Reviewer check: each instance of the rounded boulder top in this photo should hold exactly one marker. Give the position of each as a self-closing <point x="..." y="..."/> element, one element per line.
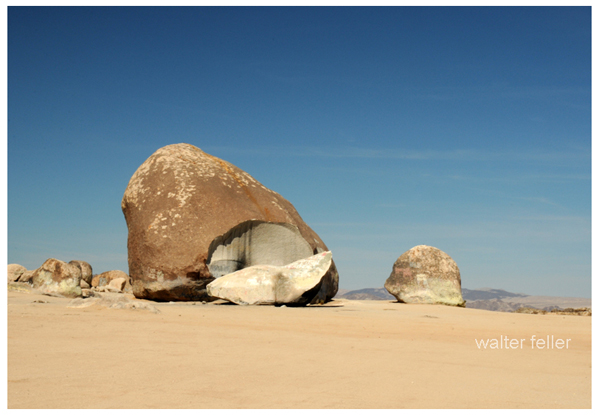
<point x="179" y="201"/>
<point x="425" y="274"/>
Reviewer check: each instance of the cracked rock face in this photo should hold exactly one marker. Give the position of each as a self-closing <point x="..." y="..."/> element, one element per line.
<point x="425" y="274"/>
<point x="297" y="283"/>
<point x="193" y="217"/>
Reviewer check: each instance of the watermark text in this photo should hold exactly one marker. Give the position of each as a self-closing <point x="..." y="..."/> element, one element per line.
<point x="539" y="343"/>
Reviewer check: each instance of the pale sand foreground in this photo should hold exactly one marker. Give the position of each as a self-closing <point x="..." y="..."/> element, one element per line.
<point x="346" y="354"/>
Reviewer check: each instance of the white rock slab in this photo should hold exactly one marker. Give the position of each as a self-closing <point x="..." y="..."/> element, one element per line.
<point x="295" y="283"/>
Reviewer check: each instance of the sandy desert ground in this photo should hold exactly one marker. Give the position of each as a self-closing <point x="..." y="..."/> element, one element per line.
<point x="345" y="354"/>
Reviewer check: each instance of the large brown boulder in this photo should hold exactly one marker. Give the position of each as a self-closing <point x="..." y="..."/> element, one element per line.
<point x="56" y="277"/>
<point x="425" y="274"/>
<point x="193" y="217"/>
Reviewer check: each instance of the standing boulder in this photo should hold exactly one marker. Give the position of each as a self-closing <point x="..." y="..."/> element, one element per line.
<point x="86" y="270"/>
<point x="425" y="274"/>
<point x="193" y="217"/>
<point x="14" y="272"/>
<point x="57" y="277"/>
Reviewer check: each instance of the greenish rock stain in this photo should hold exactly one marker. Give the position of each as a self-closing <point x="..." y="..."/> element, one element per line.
<point x="68" y="287"/>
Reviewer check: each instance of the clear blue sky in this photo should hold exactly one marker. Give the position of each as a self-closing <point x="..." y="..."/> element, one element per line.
<point x="468" y="129"/>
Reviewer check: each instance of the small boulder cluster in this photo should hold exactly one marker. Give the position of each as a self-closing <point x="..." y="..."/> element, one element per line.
<point x="200" y="228"/>
<point x="73" y="279"/>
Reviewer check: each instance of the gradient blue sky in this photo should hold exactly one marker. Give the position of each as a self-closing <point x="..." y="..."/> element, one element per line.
<point x="468" y="129"/>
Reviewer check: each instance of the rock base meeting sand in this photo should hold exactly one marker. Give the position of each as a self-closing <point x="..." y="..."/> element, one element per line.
<point x="344" y="354"/>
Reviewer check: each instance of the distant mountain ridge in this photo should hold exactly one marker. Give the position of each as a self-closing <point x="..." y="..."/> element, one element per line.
<point x="367" y="294"/>
<point x="492" y="299"/>
<point x="488" y="294"/>
<point x="383" y="294"/>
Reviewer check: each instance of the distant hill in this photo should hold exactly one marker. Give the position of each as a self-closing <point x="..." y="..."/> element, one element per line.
<point x="494" y="304"/>
<point x="492" y="299"/>
<point x="501" y="300"/>
<point x="378" y="294"/>
<point x="383" y="294"/>
<point x="488" y="294"/>
<point x="340" y="292"/>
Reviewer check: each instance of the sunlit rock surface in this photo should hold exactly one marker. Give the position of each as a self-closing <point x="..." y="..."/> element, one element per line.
<point x="14" y="272"/>
<point x="105" y="279"/>
<point x="27" y="276"/>
<point x="86" y="270"/>
<point x="56" y="277"/>
<point x="295" y="284"/>
<point x="425" y="274"/>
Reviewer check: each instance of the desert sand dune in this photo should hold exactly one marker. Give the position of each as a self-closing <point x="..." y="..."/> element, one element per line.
<point x="345" y="354"/>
